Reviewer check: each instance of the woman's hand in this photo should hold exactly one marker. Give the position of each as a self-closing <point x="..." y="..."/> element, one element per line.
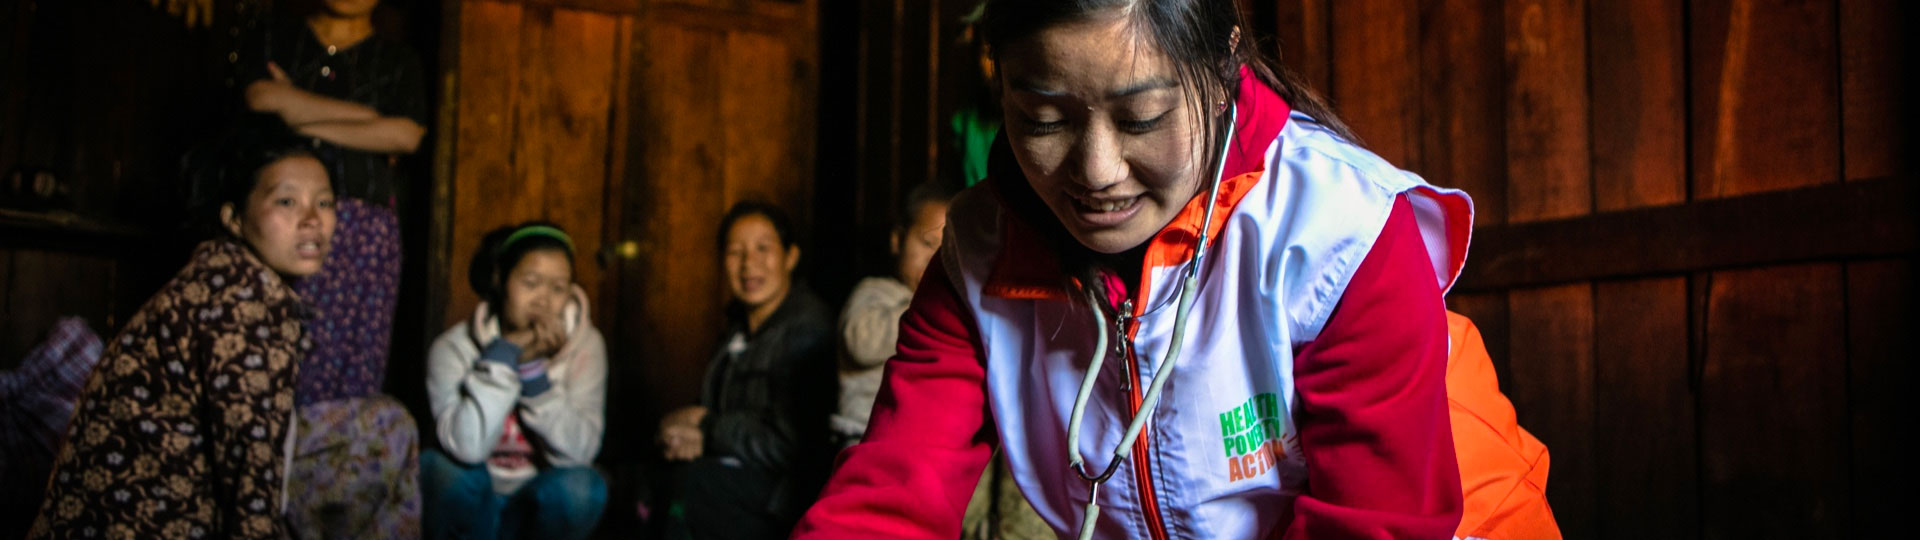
<point x="540" y="339"/>
<point x="270" y="95"/>
<point x="680" y="437"/>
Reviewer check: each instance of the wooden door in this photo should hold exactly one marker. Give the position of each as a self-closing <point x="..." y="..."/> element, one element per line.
<point x="723" y="111"/>
<point x="535" y="101"/>
<point x="530" y="127"/>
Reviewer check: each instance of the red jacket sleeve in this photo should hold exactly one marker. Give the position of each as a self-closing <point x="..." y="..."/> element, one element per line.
<point x="1373" y="403"/>
<point x="928" y="439"/>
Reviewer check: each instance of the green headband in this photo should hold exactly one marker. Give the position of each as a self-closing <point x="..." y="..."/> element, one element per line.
<point x="530" y="232"/>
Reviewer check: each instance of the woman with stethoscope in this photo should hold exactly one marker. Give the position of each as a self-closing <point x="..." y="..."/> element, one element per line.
<point x="1185" y="304"/>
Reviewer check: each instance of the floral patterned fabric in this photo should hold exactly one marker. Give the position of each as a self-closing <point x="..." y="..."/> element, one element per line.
<point x="353" y="300"/>
<point x="181" y="430"/>
<point x="355" y="471"/>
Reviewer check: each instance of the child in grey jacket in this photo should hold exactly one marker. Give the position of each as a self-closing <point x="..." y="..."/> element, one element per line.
<point x="518" y="395"/>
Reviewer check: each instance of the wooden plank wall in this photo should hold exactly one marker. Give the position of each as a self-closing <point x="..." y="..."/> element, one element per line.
<point x="1732" y="399"/>
<point x="890" y="80"/>
<point x="535" y="100"/>
<point x="105" y="96"/>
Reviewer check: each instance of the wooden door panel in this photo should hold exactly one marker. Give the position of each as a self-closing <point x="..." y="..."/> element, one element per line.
<point x="674" y="203"/>
<point x="1640" y="118"/>
<point x="1548" y="168"/>
<point x="1869" y="52"/>
<point x="1773" y="418"/>
<point x="535" y="102"/>
<point x="1881" y="318"/>
<point x="1553" y="393"/>
<point x="1377" y="75"/>
<point x="1645" y="442"/>
<point x="1764" y="97"/>
<point x="483" y="163"/>
<point x="563" y="141"/>
<point x="722" y="112"/>
<point x="1461" y="127"/>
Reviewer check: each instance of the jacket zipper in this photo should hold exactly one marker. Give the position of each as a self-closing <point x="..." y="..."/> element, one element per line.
<point x="1142" y="468"/>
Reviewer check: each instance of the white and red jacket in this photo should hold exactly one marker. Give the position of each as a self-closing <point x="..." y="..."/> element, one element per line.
<point x="1309" y="402"/>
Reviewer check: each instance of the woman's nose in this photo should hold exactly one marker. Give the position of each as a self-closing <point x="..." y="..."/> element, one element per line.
<point x="1096" y="162"/>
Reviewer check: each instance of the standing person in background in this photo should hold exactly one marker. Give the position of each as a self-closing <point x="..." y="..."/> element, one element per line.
<point x="758" y="441"/>
<point x="360" y="99"/>
<point x="977" y="121"/>
<point x="180" y="431"/>
<point x="519" y="399"/>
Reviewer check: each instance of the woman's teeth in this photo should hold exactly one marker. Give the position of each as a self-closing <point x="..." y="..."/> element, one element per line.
<point x="1107" y="205"/>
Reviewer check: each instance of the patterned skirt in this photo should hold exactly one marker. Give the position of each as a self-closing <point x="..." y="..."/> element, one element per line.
<point x="355" y="471"/>
<point x="353" y="301"/>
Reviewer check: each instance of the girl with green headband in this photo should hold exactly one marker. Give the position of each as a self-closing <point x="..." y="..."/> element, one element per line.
<point x="518" y="395"/>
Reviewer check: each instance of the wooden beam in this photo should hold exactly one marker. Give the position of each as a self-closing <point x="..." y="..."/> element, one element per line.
<point x="1835" y="221"/>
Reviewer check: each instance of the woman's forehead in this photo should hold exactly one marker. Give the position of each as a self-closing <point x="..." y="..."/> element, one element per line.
<point x="1099" y="58"/>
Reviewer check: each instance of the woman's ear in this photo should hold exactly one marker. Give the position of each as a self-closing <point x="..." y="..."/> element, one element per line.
<point x="894" y="242"/>
<point x="230" y="219"/>
<point x="793" y="258"/>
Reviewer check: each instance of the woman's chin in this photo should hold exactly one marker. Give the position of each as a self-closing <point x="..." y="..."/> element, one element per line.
<point x="299" y="269"/>
<point x="1112" y="240"/>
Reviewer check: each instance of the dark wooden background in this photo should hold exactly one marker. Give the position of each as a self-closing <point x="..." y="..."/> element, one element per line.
<point x="1694" y="262"/>
<point x="1694" y="259"/>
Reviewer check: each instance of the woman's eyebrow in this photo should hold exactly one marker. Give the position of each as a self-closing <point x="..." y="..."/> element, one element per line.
<point x="1143" y="86"/>
<point x="1021" y="85"/>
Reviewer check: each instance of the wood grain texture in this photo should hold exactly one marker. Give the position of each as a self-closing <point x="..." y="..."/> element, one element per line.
<point x="1552" y="348"/>
<point x="484" y="152"/>
<point x="1376" y="76"/>
<point x="1637" y="66"/>
<point x="1881" y="318"/>
<point x="675" y="200"/>
<point x="1462" y="128"/>
<point x="1773" y="405"/>
<point x="1548" y="157"/>
<point x="1765" y="103"/>
<point x="1870" y="47"/>
<point x="1300" y="34"/>
<point x="1857" y="219"/>
<point x="1648" y="481"/>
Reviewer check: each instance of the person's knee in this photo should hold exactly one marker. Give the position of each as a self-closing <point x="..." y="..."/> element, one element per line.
<point x="578" y="492"/>
<point x="573" y="486"/>
<point x="445" y="479"/>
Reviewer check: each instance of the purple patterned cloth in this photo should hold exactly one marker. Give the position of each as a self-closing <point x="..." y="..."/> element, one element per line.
<point x="353" y="301"/>
<point x="355" y="471"/>
<point x="37" y="400"/>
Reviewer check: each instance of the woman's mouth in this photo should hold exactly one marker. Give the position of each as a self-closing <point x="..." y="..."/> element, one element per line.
<point x="310" y="249"/>
<point x="1106" y="211"/>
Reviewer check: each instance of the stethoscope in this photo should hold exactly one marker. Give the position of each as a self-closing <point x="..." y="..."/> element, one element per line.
<point x="1188" y="284"/>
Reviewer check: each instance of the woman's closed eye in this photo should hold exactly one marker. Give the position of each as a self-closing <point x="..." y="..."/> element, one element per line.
<point x="1142" y="126"/>
<point x="1038" y="127"/>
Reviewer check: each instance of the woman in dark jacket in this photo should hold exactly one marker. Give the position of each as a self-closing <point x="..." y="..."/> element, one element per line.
<point x="757" y="442"/>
